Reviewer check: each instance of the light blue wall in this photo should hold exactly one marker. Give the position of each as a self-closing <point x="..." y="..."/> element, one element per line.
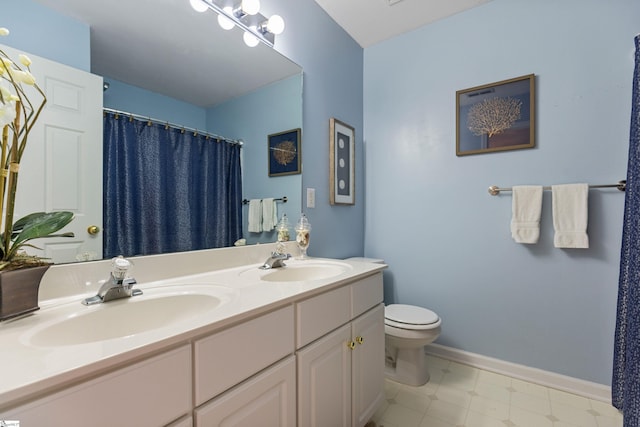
<point x="132" y="99"/>
<point x="43" y="32"/>
<point x="271" y="109"/>
<point x="428" y="212"/>
<point x="333" y="67"/>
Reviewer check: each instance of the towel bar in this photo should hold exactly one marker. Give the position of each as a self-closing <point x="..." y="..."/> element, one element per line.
<point x="494" y="190"/>
<point x="282" y="199"/>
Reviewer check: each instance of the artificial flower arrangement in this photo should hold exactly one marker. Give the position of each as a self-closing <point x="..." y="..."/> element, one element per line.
<point x="17" y="117"/>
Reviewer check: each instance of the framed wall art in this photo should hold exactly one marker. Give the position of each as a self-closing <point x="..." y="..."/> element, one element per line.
<point x="284" y="153"/>
<point x="496" y="117"/>
<point x="341" y="163"/>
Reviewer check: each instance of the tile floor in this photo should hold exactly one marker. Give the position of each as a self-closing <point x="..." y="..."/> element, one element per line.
<point x="462" y="396"/>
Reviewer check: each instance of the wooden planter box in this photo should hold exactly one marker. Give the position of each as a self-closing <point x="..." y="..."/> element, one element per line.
<point x="19" y="291"/>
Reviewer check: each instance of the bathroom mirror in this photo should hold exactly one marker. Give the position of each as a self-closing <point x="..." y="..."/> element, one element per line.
<point x="133" y="50"/>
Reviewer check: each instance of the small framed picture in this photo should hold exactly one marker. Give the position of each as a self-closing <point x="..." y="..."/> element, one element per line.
<point x="284" y="153"/>
<point x="496" y="117"/>
<point x="341" y="163"/>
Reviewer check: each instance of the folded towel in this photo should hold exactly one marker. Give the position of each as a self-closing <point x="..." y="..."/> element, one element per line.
<point x="526" y="207"/>
<point x="570" y="215"/>
<point x="255" y="216"/>
<point x="269" y="214"/>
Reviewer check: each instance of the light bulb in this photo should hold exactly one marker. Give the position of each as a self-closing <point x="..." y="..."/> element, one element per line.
<point x="250" y="7"/>
<point x="250" y="40"/>
<point x="275" y="25"/>
<point x="199" y="5"/>
<point x="225" y="22"/>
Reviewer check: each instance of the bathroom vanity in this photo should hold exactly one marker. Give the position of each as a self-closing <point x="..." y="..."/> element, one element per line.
<point x="297" y="346"/>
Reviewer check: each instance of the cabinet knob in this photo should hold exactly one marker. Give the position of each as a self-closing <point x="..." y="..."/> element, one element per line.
<point x="359" y="339"/>
<point x="351" y="345"/>
<point x="93" y="230"/>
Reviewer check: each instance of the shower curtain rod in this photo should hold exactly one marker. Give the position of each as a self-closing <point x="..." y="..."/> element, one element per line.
<point x="167" y="124"/>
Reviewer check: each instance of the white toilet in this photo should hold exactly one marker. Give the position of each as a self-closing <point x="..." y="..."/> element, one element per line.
<point x="408" y="329"/>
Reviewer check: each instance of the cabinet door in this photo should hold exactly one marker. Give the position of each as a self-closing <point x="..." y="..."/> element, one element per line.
<point x="266" y="400"/>
<point x="129" y="396"/>
<point x="324" y="381"/>
<point x="367" y="365"/>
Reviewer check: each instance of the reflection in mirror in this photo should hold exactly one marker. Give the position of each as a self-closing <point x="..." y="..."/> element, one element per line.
<point x="249" y="118"/>
<point x="274" y="106"/>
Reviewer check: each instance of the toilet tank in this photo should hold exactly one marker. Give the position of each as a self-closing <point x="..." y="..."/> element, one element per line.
<point x="365" y="259"/>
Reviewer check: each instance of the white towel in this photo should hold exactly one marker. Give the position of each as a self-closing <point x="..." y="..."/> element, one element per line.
<point x="570" y="207"/>
<point x="255" y="216"/>
<point x="269" y="214"/>
<point x="525" y="208"/>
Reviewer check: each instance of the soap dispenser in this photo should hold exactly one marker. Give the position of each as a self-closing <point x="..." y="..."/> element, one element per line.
<point x="302" y="235"/>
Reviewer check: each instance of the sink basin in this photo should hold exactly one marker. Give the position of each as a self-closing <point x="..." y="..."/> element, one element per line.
<point x="300" y="271"/>
<point x="156" y="308"/>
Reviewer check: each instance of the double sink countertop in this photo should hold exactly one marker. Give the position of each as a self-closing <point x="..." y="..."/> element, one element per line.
<point x="65" y="341"/>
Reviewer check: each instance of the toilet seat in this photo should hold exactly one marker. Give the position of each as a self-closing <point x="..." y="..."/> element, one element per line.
<point x="406" y="316"/>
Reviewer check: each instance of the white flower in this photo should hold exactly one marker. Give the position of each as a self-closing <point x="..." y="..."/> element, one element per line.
<point x="4" y="31"/>
<point x="24" y="60"/>
<point x="6" y="95"/>
<point x="7" y="107"/>
<point x="23" y="77"/>
<point x="7" y="64"/>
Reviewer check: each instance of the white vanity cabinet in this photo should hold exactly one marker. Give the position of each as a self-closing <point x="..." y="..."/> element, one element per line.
<point x="340" y="340"/>
<point x="150" y="393"/>
<point x="312" y="359"/>
<point x="229" y="360"/>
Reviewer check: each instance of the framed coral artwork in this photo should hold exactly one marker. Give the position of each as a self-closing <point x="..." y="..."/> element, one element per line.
<point x="496" y="117"/>
<point x="284" y="153"/>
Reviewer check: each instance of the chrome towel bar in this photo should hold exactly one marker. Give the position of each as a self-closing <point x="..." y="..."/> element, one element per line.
<point x="494" y="190"/>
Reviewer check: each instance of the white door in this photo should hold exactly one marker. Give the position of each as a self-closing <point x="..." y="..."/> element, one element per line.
<point x="61" y="168"/>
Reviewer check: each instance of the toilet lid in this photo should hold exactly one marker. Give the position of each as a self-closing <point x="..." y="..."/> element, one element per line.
<point x="410" y="314"/>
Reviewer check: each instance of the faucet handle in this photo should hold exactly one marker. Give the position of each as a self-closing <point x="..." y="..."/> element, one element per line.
<point x="120" y="267"/>
<point x="280" y="255"/>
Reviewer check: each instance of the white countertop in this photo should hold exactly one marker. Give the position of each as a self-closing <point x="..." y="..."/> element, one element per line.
<point x="27" y="369"/>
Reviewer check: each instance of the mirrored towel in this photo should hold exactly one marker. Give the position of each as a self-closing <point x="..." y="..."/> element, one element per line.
<point x="255" y="216"/>
<point x="269" y="214"/>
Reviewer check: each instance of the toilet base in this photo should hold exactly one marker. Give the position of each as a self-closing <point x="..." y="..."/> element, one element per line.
<point x="409" y="366"/>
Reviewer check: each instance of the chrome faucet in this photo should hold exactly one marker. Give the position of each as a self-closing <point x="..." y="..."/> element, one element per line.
<point x="276" y="260"/>
<point x="117" y="286"/>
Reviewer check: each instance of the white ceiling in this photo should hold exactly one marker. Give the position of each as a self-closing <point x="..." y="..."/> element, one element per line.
<point x="372" y="21"/>
<point x="166" y="47"/>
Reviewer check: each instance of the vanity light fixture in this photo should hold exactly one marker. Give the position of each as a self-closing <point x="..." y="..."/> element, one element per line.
<point x="244" y="14"/>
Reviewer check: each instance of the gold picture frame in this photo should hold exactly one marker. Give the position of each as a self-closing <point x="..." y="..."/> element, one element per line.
<point x="496" y="117"/>
<point x="341" y="163"/>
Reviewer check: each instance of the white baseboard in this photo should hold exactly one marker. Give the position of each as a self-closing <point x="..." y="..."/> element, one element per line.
<point x="577" y="386"/>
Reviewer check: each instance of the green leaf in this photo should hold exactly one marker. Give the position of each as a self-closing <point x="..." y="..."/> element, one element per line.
<point x="39" y="225"/>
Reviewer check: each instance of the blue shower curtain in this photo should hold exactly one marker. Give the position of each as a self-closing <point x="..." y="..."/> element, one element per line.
<point x="168" y="190"/>
<point x="626" y="365"/>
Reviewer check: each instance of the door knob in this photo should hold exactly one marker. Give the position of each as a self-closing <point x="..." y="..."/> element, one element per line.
<point x="93" y="230"/>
